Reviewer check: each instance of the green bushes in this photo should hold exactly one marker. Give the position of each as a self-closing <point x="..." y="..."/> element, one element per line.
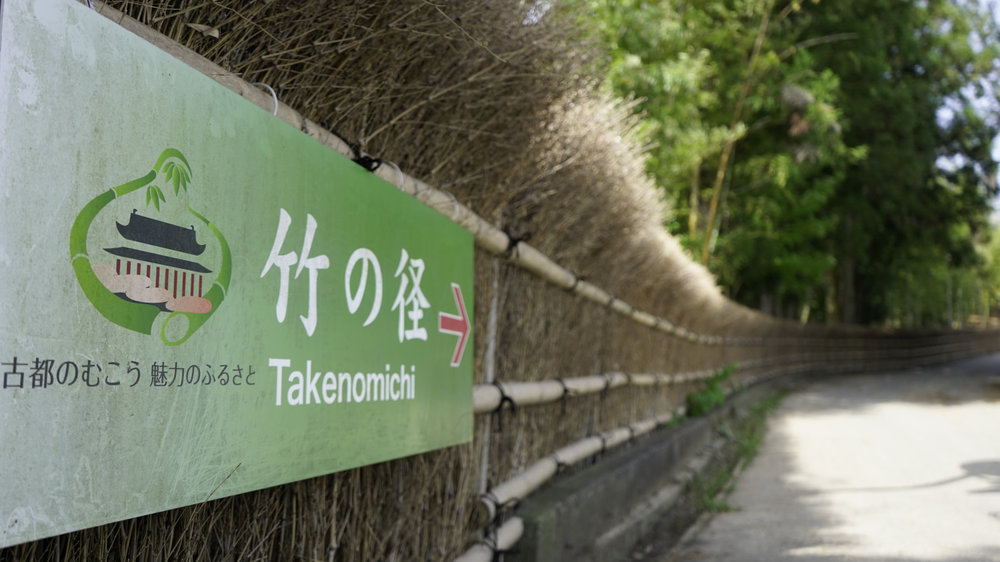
<point x="711" y="395"/>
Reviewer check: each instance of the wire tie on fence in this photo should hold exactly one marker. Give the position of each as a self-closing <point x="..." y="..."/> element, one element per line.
<point x="399" y="174"/>
<point x="576" y="282"/>
<point x="565" y="393"/>
<point x="500" y="508"/>
<point x="489" y="495"/>
<point x="416" y="187"/>
<point x="511" y="247"/>
<point x="504" y="399"/>
<point x="607" y="385"/>
<point x="604" y="443"/>
<point x="366" y="161"/>
<point x="611" y="301"/>
<point x="490" y="543"/>
<point x="274" y="96"/>
<point x="631" y="433"/>
<point x="512" y="503"/>
<point x="565" y="388"/>
<point x="512" y="242"/>
<point x="456" y="207"/>
<point x="489" y="538"/>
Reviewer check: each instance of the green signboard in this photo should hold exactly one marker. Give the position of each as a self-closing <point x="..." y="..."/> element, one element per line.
<point x="196" y="299"/>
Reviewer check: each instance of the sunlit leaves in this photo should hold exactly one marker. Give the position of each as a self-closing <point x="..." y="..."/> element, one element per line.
<point x="842" y="188"/>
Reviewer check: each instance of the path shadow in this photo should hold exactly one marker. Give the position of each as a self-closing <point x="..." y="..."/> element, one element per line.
<point x="955" y="384"/>
<point x="988" y="470"/>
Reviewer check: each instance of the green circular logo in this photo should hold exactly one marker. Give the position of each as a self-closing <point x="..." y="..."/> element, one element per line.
<point x="145" y="258"/>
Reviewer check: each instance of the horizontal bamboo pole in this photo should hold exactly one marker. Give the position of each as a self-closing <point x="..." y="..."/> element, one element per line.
<point x="529" y="480"/>
<point x="489" y="397"/>
<point x="506" y="536"/>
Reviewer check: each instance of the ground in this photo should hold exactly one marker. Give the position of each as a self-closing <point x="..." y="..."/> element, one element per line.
<point x="882" y="467"/>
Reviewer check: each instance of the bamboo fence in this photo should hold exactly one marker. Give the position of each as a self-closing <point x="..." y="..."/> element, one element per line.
<point x="587" y="337"/>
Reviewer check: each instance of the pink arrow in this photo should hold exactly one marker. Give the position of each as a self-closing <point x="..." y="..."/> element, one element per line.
<point x="457" y="325"/>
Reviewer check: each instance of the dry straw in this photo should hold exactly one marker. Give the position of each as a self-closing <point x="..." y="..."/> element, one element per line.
<point x="500" y="112"/>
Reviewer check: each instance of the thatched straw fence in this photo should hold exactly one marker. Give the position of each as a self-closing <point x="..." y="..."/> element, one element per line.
<point x="591" y="323"/>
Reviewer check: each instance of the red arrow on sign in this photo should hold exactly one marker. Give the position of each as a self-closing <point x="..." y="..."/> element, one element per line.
<point x="457" y="325"/>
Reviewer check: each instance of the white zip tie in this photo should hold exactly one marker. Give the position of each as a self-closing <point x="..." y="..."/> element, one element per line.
<point x="454" y="214"/>
<point x="274" y="96"/>
<point x="399" y="174"/>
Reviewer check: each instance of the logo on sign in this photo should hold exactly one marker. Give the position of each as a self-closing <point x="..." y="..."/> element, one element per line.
<point x="143" y="256"/>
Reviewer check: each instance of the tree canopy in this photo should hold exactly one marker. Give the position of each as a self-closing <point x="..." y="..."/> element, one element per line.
<point x="818" y="155"/>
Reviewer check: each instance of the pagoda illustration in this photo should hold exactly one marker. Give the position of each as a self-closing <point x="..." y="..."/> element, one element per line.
<point x="180" y="277"/>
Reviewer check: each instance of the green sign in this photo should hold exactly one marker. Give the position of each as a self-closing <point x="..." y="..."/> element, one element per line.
<point x="199" y="300"/>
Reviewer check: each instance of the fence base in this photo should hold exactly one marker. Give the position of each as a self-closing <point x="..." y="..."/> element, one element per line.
<point x="640" y="494"/>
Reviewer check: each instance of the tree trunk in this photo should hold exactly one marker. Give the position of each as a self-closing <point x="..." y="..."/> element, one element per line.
<point x="720" y="173"/>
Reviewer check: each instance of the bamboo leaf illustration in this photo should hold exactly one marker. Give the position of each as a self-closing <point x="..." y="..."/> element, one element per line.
<point x="179" y="182"/>
<point x="154" y="195"/>
<point x="175" y="169"/>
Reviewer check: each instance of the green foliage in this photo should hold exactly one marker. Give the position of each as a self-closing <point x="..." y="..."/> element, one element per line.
<point x="707" y="491"/>
<point x="711" y="395"/>
<point x="845" y="144"/>
<point x="897" y="215"/>
<point x="751" y="433"/>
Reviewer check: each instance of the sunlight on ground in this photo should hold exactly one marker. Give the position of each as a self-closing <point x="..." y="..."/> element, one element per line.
<point x="871" y="468"/>
<point x="900" y="480"/>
